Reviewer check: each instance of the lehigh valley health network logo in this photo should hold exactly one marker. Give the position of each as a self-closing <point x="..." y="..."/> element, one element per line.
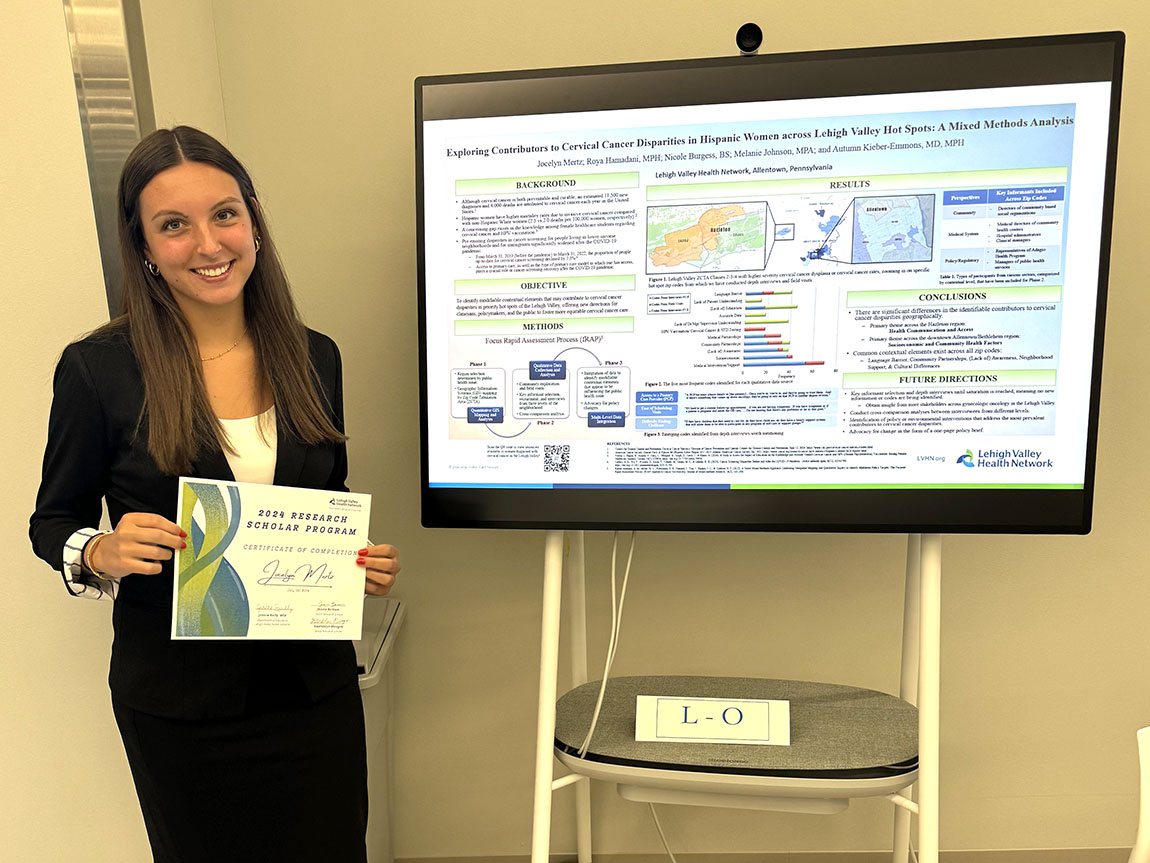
<point x="966" y="460"/>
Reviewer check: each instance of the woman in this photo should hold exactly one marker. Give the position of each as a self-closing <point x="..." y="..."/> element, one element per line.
<point x="240" y="750"/>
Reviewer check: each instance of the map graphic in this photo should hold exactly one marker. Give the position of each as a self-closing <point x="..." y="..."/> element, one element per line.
<point x="714" y="238"/>
<point x="880" y="230"/>
<point x="893" y="229"/>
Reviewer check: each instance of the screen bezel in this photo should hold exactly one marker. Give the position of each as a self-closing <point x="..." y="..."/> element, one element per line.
<point x="928" y="67"/>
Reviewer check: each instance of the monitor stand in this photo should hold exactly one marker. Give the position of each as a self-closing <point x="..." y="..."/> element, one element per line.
<point x="781" y="786"/>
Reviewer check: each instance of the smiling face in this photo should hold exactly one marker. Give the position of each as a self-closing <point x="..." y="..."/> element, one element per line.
<point x="197" y="230"/>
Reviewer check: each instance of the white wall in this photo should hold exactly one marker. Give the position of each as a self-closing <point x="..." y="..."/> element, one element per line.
<point x="183" y="68"/>
<point x="1040" y="635"/>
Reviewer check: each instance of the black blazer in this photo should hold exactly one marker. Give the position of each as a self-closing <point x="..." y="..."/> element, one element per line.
<point x="94" y="451"/>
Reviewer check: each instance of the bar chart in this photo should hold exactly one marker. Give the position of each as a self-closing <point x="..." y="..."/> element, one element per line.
<point x="766" y="330"/>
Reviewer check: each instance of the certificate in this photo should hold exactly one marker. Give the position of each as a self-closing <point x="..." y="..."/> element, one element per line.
<point x="268" y="561"/>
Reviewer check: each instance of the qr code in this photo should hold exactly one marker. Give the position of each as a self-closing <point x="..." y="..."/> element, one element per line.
<point x="556" y="458"/>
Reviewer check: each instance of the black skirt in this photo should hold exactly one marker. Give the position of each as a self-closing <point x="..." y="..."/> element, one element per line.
<point x="284" y="782"/>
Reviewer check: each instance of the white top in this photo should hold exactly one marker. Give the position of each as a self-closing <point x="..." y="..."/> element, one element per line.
<point x="255" y="456"/>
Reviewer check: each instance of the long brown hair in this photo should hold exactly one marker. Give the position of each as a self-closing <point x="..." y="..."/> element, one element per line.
<point x="179" y="418"/>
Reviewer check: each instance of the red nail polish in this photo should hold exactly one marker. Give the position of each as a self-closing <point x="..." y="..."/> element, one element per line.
<point x="183" y="545"/>
<point x="360" y="561"/>
<point x="183" y="534"/>
<point x="362" y="552"/>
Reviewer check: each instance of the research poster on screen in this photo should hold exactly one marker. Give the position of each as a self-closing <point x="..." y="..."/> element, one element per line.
<point x="857" y="291"/>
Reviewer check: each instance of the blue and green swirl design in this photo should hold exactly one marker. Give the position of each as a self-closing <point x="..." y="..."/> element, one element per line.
<point x="210" y="597"/>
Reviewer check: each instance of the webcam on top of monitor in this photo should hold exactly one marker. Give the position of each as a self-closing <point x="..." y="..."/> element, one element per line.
<point x="748" y="38"/>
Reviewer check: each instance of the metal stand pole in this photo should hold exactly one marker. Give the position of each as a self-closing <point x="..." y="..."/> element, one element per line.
<point x="577" y="602"/>
<point x="908" y="687"/>
<point x="548" y="674"/>
<point x="928" y="695"/>
<point x="1140" y="853"/>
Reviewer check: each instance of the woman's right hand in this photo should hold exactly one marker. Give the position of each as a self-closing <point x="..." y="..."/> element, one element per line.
<point x="140" y="541"/>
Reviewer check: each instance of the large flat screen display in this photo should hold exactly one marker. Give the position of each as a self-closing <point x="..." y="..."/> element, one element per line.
<point x="844" y="290"/>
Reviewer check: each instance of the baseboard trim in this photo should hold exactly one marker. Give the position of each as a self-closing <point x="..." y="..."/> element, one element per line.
<point x="1023" y="855"/>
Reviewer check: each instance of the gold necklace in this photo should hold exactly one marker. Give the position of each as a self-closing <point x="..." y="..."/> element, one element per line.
<point x="228" y="351"/>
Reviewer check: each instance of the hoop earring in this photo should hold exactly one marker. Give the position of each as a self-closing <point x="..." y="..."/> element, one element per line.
<point x="152" y="268"/>
<point x="257" y="242"/>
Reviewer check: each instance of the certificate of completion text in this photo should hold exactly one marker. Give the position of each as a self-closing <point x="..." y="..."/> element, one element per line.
<point x="268" y="561"/>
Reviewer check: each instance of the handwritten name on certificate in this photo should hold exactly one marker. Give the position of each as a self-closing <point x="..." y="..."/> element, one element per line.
<point x="268" y="561"/>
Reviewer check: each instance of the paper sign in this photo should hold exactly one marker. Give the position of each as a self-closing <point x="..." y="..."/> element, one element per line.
<point x="660" y="718"/>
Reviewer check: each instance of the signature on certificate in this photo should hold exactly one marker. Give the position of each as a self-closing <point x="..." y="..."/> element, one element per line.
<point x="303" y="575"/>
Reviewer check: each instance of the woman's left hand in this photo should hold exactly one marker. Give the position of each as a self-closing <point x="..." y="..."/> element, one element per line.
<point x="380" y="565"/>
